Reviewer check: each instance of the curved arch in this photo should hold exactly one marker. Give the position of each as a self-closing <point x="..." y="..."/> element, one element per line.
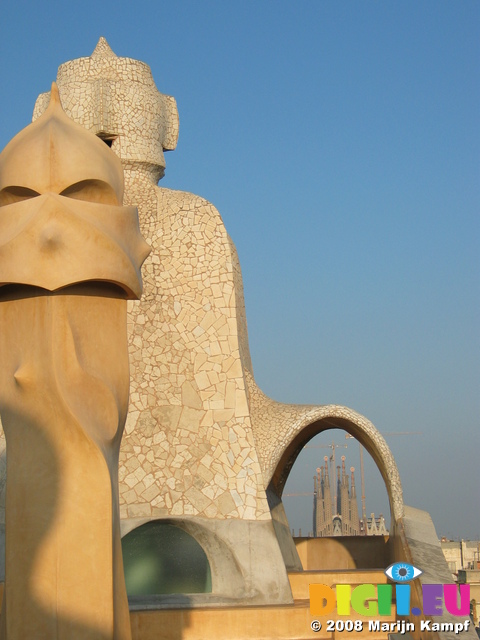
<point x="161" y="558"/>
<point x="317" y="419"/>
<point x="226" y="576"/>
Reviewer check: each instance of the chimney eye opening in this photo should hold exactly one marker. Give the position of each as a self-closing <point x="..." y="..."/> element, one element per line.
<point x="108" y="138"/>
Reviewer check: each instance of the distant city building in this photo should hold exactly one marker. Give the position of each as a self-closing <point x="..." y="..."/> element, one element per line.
<point x="463" y="559"/>
<point x="335" y="512"/>
<point x="461" y="554"/>
<point x="376" y="526"/>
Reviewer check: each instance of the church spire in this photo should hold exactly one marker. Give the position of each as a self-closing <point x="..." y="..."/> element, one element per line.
<point x="344" y="501"/>
<point x="318" y="505"/>
<point x="354" y="521"/>
<point x="327" y="501"/>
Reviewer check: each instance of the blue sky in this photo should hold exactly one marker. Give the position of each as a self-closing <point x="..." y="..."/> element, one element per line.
<point x="340" y="143"/>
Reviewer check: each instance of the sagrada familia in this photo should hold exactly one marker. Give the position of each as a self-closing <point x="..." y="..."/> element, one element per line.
<point x="132" y="420"/>
<point x="343" y="520"/>
<point x="335" y="513"/>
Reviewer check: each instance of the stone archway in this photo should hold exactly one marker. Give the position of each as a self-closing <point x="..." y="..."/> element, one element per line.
<point x="161" y="558"/>
<point x="315" y="420"/>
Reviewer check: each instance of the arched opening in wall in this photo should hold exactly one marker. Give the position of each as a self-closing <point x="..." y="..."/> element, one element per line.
<point x="332" y="463"/>
<point x="160" y="558"/>
<point x="319" y="480"/>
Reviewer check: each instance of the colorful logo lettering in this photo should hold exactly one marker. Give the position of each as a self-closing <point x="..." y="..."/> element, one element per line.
<point x="373" y="600"/>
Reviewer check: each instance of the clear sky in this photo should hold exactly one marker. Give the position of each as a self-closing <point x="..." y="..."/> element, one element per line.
<point x="340" y="142"/>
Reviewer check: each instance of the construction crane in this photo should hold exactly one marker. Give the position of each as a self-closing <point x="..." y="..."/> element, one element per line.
<point x="296" y="495"/>
<point x="362" y="473"/>
<point x="334" y="446"/>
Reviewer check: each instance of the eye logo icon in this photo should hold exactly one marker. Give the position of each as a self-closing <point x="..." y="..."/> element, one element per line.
<point x="371" y="600"/>
<point x="402" y="572"/>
